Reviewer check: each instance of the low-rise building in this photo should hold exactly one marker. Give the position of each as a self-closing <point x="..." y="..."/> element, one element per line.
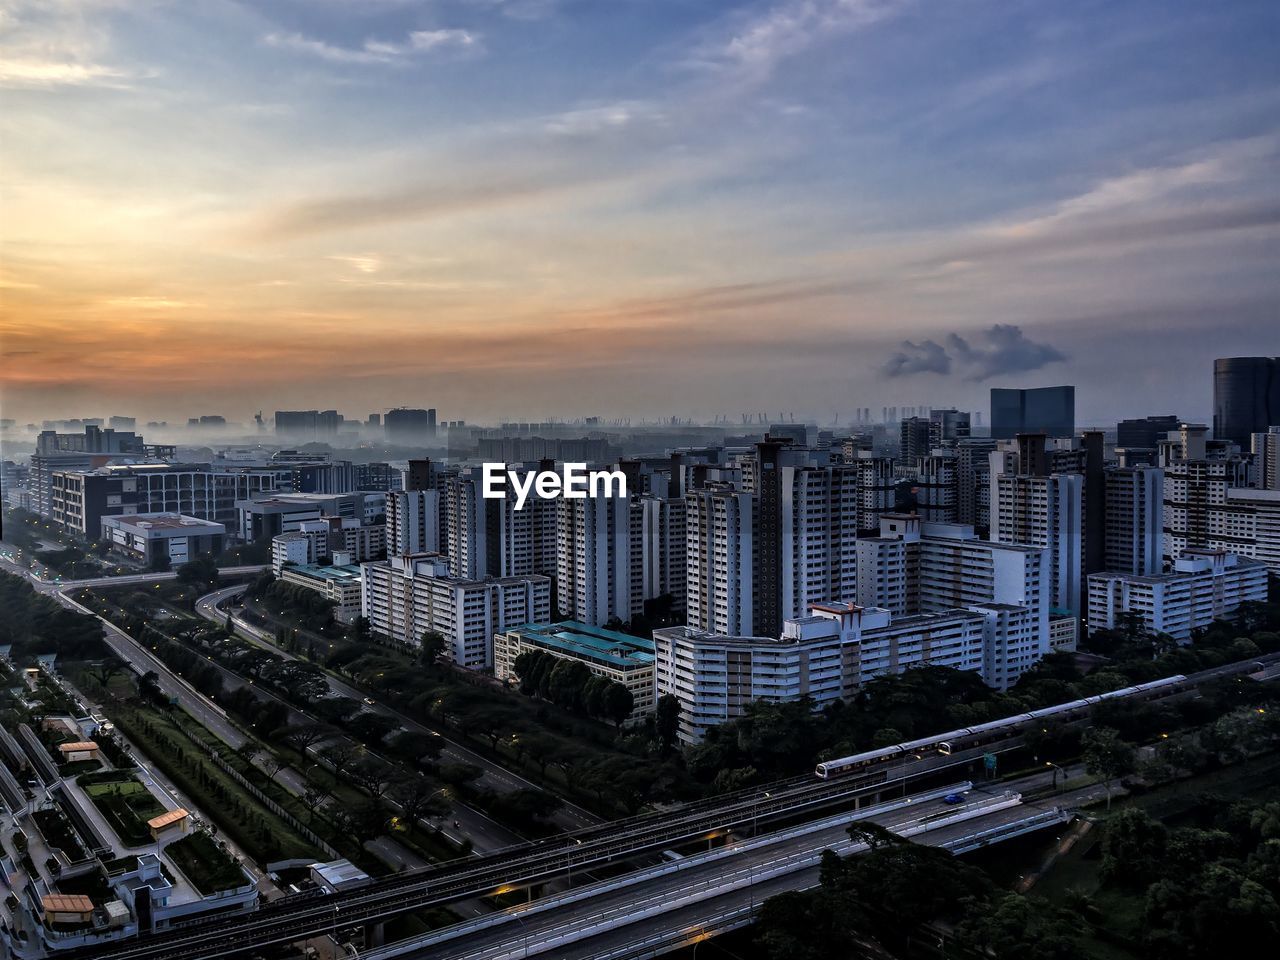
<point x="339" y="583"/>
<point x="147" y="538"/>
<point x="829" y="654"/>
<point x="1205" y="585"/>
<point x="618" y="656"/>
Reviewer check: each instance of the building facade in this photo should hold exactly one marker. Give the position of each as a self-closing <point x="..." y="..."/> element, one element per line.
<point x="405" y="597"/>
<point x="1205" y="585"/>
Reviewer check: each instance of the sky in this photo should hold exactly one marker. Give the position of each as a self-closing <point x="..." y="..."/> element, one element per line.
<point x="520" y="209"/>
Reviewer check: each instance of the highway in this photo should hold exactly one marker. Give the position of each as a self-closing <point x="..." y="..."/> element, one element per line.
<point x="495" y="777"/>
<point x="616" y="914"/>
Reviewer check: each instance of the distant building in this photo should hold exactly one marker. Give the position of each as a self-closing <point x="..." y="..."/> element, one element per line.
<point x="1048" y="410"/>
<point x="1246" y="397"/>
<point x="147" y="538"/>
<point x="278" y="513"/>
<point x="617" y="656"/>
<point x="410" y="427"/>
<point x="308" y="424"/>
<point x="1144" y="433"/>
<point x="1204" y="586"/>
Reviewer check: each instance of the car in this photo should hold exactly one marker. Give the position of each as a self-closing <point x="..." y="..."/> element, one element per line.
<point x="952" y="799"/>
<point x="369" y="701"/>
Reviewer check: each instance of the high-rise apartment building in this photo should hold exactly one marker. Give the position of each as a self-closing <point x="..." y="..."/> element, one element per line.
<point x="1266" y="458"/>
<point x="594" y="559"/>
<point x="664" y="539"/>
<point x="1044" y="511"/>
<point x="916" y="437"/>
<point x="1134" y="520"/>
<point x="937" y="486"/>
<point x="1195" y="493"/>
<point x="720" y="559"/>
<point x="413" y="521"/>
<point x="820" y="520"/>
<point x="405" y="597"/>
<point x="1246" y="397"/>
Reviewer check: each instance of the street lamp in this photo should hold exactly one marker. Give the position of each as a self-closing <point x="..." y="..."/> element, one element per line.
<point x="569" y="861"/>
<point x="755" y="810"/>
<point x="1056" y="768"/>
<point x="524" y="932"/>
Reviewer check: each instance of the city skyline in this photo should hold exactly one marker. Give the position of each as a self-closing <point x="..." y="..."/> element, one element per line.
<point x="618" y="211"/>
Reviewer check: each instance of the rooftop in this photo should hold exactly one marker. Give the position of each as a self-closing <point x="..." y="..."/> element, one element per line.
<point x="78" y="746"/>
<point x="346" y="571"/>
<point x="167" y="818"/>
<point x="66" y="903"/>
<point x="162" y="521"/>
<point x="584" y="640"/>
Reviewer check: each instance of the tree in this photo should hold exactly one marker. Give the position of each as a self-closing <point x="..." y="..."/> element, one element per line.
<point x="618" y="702"/>
<point x="666" y="720"/>
<point x="202" y="571"/>
<point x="1106" y="755"/>
<point x="340" y="756"/>
<point x="433" y="647"/>
<point x="271" y="766"/>
<point x="108" y="668"/>
<point x="374" y="776"/>
<point x="419" y="798"/>
<point x="313" y="797"/>
<point x="303" y="736"/>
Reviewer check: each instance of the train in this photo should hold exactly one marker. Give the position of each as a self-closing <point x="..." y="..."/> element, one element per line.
<point x="984" y="734"/>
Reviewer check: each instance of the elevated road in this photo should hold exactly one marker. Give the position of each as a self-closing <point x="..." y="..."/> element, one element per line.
<point x="614" y="915"/>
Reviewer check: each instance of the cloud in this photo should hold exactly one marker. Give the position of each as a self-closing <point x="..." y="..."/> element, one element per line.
<point x="418" y="42"/>
<point x="756" y="43"/>
<point x="1003" y="349"/>
<point x="48" y="74"/>
<point x="927" y="356"/>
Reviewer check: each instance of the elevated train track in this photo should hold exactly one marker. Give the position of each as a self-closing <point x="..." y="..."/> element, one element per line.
<point x="846" y="781"/>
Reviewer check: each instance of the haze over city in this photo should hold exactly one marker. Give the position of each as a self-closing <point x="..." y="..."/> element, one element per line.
<point x="540" y="208"/>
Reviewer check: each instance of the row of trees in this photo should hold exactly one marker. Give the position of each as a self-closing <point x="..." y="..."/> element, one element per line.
<point x="571" y="684"/>
<point x="35" y="624"/>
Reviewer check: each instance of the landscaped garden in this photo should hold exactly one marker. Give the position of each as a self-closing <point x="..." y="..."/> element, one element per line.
<point x="209" y="868"/>
<point x="127" y="806"/>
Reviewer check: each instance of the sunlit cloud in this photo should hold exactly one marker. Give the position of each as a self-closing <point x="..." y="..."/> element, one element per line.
<point x="419" y="42"/>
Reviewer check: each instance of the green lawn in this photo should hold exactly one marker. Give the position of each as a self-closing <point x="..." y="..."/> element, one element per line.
<point x="127" y="806"/>
<point x="251" y="826"/>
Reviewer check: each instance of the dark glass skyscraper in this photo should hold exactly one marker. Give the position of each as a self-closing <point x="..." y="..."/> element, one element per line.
<point x="1047" y="410"/>
<point x="1246" y="397"/>
<point x="1145" y="433"/>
